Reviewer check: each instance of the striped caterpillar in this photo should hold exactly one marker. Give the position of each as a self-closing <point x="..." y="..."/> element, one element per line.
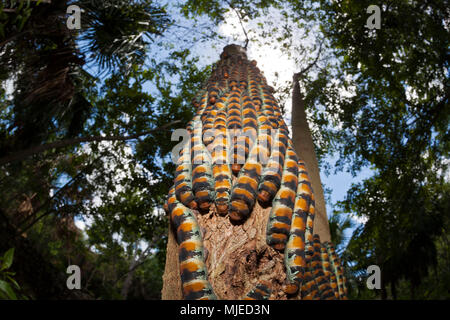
<point x="279" y="224"/>
<point x="194" y="276"/>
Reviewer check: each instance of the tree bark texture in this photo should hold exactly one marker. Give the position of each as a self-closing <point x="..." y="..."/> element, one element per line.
<point x="304" y="146"/>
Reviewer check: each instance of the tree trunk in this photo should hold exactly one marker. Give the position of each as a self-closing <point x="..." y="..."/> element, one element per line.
<point x="129" y="278"/>
<point x="304" y="146"/>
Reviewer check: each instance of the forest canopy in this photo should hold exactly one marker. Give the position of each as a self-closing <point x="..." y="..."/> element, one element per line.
<point x="86" y="116"/>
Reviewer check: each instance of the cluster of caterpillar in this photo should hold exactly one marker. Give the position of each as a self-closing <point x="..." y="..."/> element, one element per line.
<point x="240" y="153"/>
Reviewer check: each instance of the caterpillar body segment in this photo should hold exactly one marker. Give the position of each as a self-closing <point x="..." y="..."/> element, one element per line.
<point x="326" y="265"/>
<point x="337" y="270"/>
<point x="323" y="283"/>
<point x="243" y="195"/>
<point x="182" y="181"/>
<point x="194" y="275"/>
<point x="294" y="255"/>
<point x="261" y="291"/>
<point x="202" y="179"/>
<point x="279" y="225"/>
<point x="272" y="173"/>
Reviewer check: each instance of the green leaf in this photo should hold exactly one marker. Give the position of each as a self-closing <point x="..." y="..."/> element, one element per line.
<point x="6" y="288"/>
<point x="14" y="282"/>
<point x="8" y="259"/>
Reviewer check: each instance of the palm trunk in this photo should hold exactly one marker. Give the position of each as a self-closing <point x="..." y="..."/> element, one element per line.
<point x="304" y="146"/>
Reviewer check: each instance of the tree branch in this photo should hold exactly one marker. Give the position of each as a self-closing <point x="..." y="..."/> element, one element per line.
<point x="301" y="73"/>
<point x="20" y="155"/>
<point x="240" y="21"/>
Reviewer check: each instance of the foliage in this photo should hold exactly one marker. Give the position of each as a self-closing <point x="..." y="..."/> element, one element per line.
<point x="9" y="288"/>
<point x="394" y="118"/>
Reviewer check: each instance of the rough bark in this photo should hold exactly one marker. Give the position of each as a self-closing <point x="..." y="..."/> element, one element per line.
<point x="237" y="257"/>
<point x="304" y="146"/>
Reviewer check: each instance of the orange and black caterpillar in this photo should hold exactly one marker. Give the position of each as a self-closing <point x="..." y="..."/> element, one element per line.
<point x="294" y="256"/>
<point x="221" y="168"/>
<point x="328" y="272"/>
<point x="323" y="283"/>
<point x="272" y="173"/>
<point x="194" y="276"/>
<point x="202" y="180"/>
<point x="183" y="183"/>
<point x="337" y="270"/>
<point x="279" y="224"/>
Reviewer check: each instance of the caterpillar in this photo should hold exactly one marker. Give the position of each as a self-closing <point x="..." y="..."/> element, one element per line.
<point x="194" y="275"/>
<point x="279" y="224"/>
<point x="326" y="265"/>
<point x="294" y="255"/>
<point x="201" y="170"/>
<point x="249" y="123"/>
<point x="234" y="125"/>
<point x="323" y="284"/>
<point x="183" y="183"/>
<point x="221" y="168"/>
<point x="271" y="177"/>
<point x="309" y="290"/>
<point x="337" y="270"/>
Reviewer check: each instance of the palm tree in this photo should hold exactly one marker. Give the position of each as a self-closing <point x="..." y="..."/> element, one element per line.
<point x="46" y="60"/>
<point x="339" y="223"/>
